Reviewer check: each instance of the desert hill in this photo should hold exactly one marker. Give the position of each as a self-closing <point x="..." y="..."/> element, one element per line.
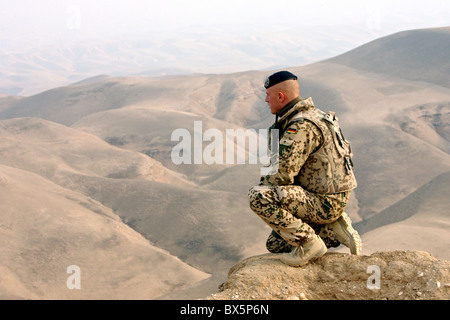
<point x="412" y="55"/>
<point x="45" y="229"/>
<point x="388" y="275"/>
<point x="108" y="139"/>
<point x="420" y="220"/>
<point x="53" y="150"/>
<point x="154" y="200"/>
<point x="66" y="105"/>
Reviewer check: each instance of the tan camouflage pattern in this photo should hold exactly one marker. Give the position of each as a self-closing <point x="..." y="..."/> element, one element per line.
<point x="292" y="212"/>
<point x="294" y="150"/>
<point x="276" y="244"/>
<point x="309" y="154"/>
<point x="327" y="169"/>
<point x="328" y="236"/>
<point x="310" y="189"/>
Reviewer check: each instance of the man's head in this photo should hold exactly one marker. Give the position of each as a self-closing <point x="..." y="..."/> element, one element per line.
<point x="281" y="88"/>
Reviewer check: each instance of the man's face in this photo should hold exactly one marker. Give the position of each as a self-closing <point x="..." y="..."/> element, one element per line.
<point x="274" y="99"/>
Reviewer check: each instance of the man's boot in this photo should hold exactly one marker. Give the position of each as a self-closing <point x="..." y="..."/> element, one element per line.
<point x="346" y="235"/>
<point x="314" y="248"/>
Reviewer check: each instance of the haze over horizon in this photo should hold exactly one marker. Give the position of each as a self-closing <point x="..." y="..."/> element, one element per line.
<point x="202" y="36"/>
<point x="51" y="20"/>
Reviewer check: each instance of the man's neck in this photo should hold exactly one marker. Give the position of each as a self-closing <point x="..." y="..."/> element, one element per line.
<point x="288" y="106"/>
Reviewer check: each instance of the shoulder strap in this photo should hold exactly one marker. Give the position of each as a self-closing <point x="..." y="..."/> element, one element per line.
<point x="301" y="117"/>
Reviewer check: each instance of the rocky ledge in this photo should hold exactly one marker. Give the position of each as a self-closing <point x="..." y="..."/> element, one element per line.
<point x="393" y="275"/>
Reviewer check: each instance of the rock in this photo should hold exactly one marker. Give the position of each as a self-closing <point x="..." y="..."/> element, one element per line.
<point x="302" y="296"/>
<point x="390" y="275"/>
<point x="432" y="285"/>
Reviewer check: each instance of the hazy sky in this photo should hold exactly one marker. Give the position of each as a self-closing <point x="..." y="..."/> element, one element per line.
<point x="49" y="20"/>
<point x="75" y="39"/>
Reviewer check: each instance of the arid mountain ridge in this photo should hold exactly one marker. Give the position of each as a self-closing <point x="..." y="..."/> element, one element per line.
<point x="104" y="145"/>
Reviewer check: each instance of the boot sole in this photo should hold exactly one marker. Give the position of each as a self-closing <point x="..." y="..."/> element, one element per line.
<point x="355" y="244"/>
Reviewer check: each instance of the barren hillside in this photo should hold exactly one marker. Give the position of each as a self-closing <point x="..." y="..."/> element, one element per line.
<point x="412" y="55"/>
<point x="108" y="140"/>
<point x="45" y="229"/>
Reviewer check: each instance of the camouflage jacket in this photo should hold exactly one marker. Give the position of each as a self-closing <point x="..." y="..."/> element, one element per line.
<point x="312" y="151"/>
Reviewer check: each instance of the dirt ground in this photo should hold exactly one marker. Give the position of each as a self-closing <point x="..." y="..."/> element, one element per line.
<point x="394" y="275"/>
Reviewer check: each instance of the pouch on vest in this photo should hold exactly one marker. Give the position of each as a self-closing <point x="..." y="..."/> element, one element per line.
<point x="342" y="145"/>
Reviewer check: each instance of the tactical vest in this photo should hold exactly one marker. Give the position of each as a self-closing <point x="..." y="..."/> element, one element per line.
<point x="329" y="169"/>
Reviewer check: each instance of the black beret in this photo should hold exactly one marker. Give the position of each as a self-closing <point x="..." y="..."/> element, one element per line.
<point x="279" y="77"/>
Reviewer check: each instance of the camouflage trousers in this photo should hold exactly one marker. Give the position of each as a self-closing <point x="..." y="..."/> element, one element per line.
<point x="295" y="214"/>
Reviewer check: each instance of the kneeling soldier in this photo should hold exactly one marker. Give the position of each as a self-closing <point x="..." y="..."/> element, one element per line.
<point x="304" y="201"/>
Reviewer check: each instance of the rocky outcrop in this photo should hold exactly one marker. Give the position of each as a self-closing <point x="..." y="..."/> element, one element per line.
<point x="393" y="275"/>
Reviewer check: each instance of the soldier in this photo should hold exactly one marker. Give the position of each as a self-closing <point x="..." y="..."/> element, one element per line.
<point x="304" y="201"/>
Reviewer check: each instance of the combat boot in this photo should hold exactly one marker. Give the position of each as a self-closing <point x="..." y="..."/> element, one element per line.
<point x="345" y="234"/>
<point x="314" y="248"/>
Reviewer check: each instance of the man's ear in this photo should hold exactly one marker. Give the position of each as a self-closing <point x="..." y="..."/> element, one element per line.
<point x="281" y="96"/>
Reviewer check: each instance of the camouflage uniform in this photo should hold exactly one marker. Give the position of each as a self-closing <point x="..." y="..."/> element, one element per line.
<point x="313" y="182"/>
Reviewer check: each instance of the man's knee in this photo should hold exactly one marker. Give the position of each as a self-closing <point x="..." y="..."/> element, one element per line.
<point x="258" y="196"/>
<point x="254" y="198"/>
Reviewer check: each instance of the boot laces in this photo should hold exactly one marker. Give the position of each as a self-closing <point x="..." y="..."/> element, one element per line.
<point x="298" y="250"/>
